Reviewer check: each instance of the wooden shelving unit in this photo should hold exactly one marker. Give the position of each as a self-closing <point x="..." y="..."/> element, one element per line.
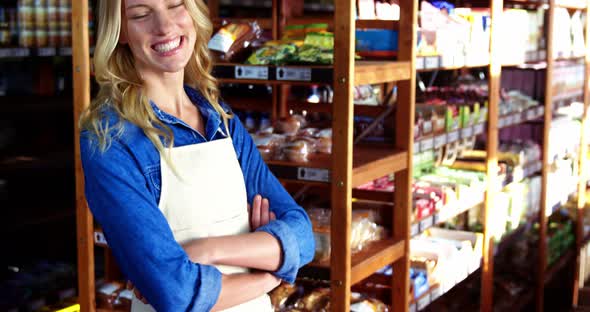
<point x="351" y="165"/>
<point x="348" y="167"/>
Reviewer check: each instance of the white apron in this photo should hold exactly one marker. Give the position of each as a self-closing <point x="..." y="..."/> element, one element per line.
<point x="208" y="200"/>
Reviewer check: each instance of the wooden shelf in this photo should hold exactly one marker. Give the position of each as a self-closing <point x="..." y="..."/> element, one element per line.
<point x="369" y="163"/>
<point x="249" y="103"/>
<point x="366" y="72"/>
<point x="373" y="257"/>
<point x="436" y="63"/>
<point x="571" y="4"/>
<point x="264" y="23"/>
<point x="19" y="52"/>
<point x="265" y="105"/>
<point x="572" y="58"/>
<point x="366" y="24"/>
<point x="525" y="3"/>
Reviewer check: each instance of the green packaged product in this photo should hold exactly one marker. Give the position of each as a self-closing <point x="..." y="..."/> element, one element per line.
<point x="323" y="40"/>
<point x="275" y="54"/>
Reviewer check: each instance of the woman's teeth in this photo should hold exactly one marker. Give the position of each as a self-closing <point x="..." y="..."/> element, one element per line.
<point x="166" y="47"/>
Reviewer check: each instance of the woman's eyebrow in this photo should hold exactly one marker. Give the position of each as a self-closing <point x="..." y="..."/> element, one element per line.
<point x="133" y="6"/>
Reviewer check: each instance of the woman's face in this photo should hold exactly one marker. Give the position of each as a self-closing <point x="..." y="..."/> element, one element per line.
<point x="160" y="34"/>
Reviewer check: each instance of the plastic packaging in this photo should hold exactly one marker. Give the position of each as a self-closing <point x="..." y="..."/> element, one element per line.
<point x="363" y="231"/>
<point x="234" y="40"/>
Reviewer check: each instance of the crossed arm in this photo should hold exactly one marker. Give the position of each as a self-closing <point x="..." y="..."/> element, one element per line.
<point x="255" y="250"/>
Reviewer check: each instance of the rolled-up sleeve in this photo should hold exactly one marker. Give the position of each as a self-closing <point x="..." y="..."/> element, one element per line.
<point x="139" y="235"/>
<point x="292" y="228"/>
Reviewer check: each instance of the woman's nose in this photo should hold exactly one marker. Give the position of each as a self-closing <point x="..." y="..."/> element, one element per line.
<point x="163" y="23"/>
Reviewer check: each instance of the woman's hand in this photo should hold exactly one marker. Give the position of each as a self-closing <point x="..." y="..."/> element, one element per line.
<point x="260" y="213"/>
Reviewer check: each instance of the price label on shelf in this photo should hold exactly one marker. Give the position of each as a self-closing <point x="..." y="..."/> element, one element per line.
<point x="452" y="136"/>
<point x="100" y="239"/>
<point x="65" y="51"/>
<point x="426" y="145"/>
<point x="440" y="140"/>
<point x="423" y="302"/>
<point x="46" y="52"/>
<point x="293" y="74"/>
<point x="502" y="122"/>
<point x="478" y="129"/>
<point x="313" y="174"/>
<point x="431" y="62"/>
<point x="531" y="114"/>
<point x="447" y="60"/>
<point x="516" y="118"/>
<point x="251" y="72"/>
<point x="467" y="132"/>
<point x="426" y="223"/>
<point x="415" y="229"/>
<point x="420" y="62"/>
<point x="540" y="110"/>
<point x="416" y="147"/>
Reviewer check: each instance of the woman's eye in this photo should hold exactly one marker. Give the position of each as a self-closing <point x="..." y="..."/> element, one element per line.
<point x="181" y="3"/>
<point x="137" y="17"/>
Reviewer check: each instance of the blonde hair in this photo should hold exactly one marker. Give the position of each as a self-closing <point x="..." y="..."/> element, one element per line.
<point x="121" y="86"/>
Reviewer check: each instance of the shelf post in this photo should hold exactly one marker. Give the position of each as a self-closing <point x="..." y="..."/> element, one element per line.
<point x="404" y="140"/>
<point x="583" y="163"/>
<point x="495" y="70"/>
<point x="342" y="125"/>
<point x="542" y="246"/>
<point x="84" y="223"/>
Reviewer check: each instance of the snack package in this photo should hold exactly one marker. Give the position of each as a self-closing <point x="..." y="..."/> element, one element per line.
<point x="363" y="231"/>
<point x="274" y="53"/>
<point x="233" y="40"/>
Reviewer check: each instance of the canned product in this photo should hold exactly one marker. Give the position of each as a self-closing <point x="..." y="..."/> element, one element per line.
<point x="41" y="39"/>
<point x="27" y="38"/>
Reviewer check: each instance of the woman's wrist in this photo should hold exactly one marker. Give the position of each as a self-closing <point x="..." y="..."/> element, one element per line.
<point x="201" y="251"/>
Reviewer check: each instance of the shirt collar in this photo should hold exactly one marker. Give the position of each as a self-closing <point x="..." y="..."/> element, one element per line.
<point x="213" y="121"/>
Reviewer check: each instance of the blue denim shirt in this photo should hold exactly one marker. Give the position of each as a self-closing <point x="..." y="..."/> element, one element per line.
<point x="122" y="188"/>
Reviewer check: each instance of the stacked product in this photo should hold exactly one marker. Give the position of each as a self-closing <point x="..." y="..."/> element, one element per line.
<point x="243" y="42"/>
<point x="447" y="257"/>
<point x="309" y="295"/>
<point x="364" y="230"/>
<point x="459" y="36"/>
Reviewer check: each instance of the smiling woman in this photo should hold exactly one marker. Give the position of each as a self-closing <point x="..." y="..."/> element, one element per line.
<point x="169" y="173"/>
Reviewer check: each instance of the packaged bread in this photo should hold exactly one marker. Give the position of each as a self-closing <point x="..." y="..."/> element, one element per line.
<point x="288" y="126"/>
<point x="233" y="41"/>
<point x="324" y="141"/>
<point x="298" y="150"/>
<point x="318" y="301"/>
<point x="268" y="144"/>
<point x="285" y="295"/>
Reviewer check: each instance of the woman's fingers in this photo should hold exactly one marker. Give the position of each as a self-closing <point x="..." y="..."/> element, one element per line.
<point x="264" y="212"/>
<point x="272" y="216"/>
<point x="255" y="214"/>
